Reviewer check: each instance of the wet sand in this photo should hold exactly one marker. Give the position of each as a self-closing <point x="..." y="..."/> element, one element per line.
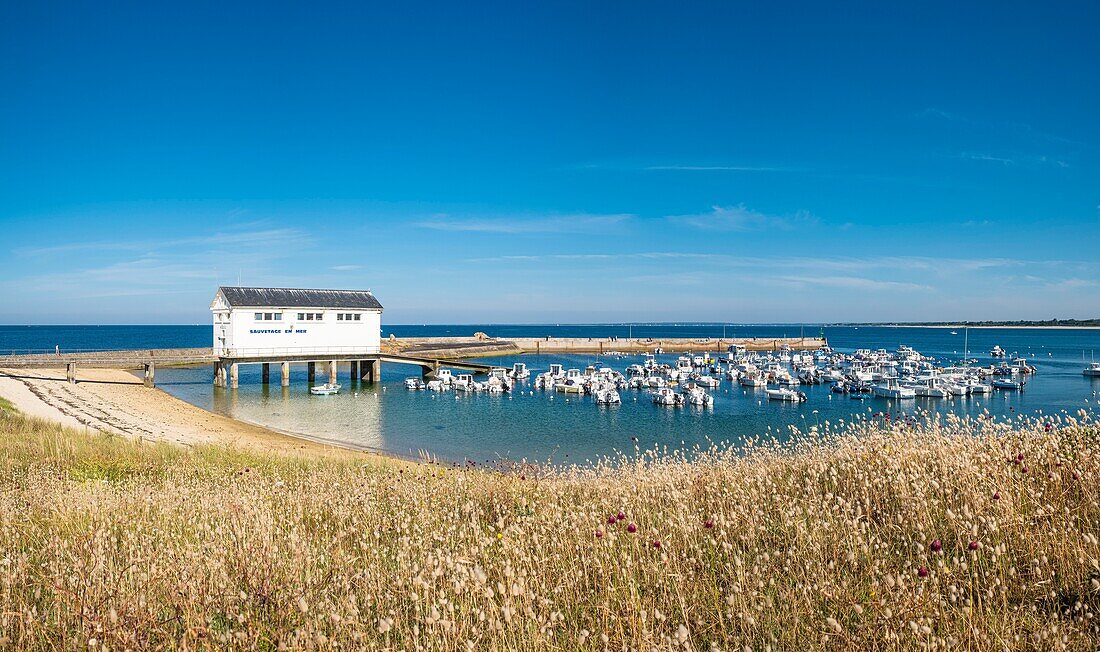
<point x="114" y="401"/>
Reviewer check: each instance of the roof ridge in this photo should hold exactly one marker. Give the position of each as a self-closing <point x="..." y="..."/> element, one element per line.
<point x="263" y="287"/>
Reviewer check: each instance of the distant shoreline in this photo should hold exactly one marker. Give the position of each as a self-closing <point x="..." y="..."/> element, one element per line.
<point x="1001" y="326"/>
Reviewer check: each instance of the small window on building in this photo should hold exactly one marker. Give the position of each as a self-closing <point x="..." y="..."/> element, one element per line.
<point x="267" y="316"/>
<point x="357" y="316"/>
<point x="339" y="316"/>
<point x="301" y="316"/>
<point x="309" y="316"/>
<point x="259" y="316"/>
<point x="278" y="316"/>
<point x="318" y="316"/>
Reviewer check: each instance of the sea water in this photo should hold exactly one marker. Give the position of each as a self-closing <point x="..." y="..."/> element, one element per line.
<point x="541" y="426"/>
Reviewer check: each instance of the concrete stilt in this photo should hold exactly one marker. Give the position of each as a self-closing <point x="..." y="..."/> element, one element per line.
<point x="150" y="374"/>
<point x="311" y="372"/>
<point x="354" y="370"/>
<point x="217" y="374"/>
<point x="265" y="373"/>
<point x="332" y="372"/>
<point x="70" y="372"/>
<point x="286" y="374"/>
<point x="234" y="375"/>
<point x="375" y="370"/>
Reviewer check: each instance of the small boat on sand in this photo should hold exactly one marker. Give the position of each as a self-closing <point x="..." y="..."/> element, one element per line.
<point x="325" y="390"/>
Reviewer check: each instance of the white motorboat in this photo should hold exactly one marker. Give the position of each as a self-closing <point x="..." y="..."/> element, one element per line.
<point x="889" y="388"/>
<point x="695" y="395"/>
<point x="499" y="383"/>
<point x="665" y="396"/>
<point x="573" y="383"/>
<point x="520" y="371"/>
<point x="325" y="390"/>
<point x="1021" y="366"/>
<point x="997" y="352"/>
<point x="1093" y="370"/>
<point x="753" y="379"/>
<point x="606" y="395"/>
<point x="787" y="379"/>
<point x="976" y="387"/>
<point x="1008" y="384"/>
<point x="707" y="381"/>
<point x="784" y="394"/>
<point x="931" y="387"/>
<point x="413" y="382"/>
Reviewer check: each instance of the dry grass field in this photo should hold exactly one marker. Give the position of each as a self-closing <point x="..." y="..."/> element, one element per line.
<point x="943" y="534"/>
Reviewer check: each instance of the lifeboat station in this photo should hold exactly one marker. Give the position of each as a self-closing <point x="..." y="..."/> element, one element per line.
<point x="266" y="326"/>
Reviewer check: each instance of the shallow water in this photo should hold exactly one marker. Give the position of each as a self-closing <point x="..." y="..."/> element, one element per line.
<point x="544" y="426"/>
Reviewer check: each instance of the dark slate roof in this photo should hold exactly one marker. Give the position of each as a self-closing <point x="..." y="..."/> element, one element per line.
<point x="239" y="297"/>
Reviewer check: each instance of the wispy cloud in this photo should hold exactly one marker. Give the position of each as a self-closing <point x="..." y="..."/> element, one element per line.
<point x="742" y="218"/>
<point x="987" y="157"/>
<point x="250" y="239"/>
<point x="716" y="168"/>
<point x="1006" y="160"/>
<point x="345" y="268"/>
<point x="853" y="283"/>
<point x="154" y="267"/>
<point x="520" y="224"/>
<point x="806" y="265"/>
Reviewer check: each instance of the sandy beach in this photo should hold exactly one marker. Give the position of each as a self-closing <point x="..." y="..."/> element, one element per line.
<point x="113" y="401"/>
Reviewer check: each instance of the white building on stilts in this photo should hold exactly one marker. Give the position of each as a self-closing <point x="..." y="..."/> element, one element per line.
<point x="258" y="324"/>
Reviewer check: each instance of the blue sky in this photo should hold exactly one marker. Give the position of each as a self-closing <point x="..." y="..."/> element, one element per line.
<point x="570" y="162"/>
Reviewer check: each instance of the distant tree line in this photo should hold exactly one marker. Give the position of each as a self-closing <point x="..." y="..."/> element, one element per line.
<point x="1019" y="322"/>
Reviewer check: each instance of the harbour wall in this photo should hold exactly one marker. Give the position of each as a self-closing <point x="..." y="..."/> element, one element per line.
<point x="464" y="347"/>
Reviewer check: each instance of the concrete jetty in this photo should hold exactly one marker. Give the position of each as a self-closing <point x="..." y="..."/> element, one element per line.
<point x="482" y="345"/>
<point x="428" y="353"/>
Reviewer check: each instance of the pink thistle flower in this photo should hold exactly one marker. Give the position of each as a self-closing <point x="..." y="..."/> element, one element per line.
<point x="936" y="546"/>
<point x="621" y="516"/>
<point x="611" y="520"/>
<point x="996" y="495"/>
<point x="599" y="533"/>
<point x="632" y="528"/>
<point x="709" y="523"/>
<point x="657" y="544"/>
<point x="973" y="545"/>
<point x="922" y="571"/>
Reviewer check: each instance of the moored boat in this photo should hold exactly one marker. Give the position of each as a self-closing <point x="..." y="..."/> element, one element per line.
<point x="325" y="390"/>
<point x="889" y="388"/>
<point x="784" y="394"/>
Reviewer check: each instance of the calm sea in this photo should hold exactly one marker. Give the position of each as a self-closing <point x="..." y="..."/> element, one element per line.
<point x="544" y="427"/>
